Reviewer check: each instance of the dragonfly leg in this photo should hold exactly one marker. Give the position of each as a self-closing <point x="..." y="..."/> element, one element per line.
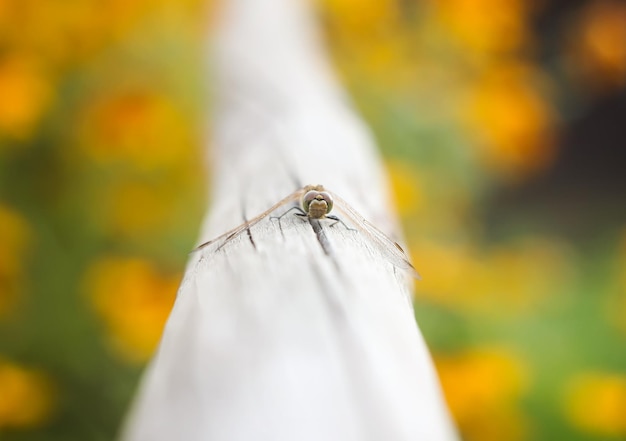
<point x="338" y="221"/>
<point x="301" y="213"/>
<point x="280" y="225"/>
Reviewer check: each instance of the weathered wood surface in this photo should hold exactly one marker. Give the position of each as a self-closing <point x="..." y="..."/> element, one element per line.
<point x="274" y="336"/>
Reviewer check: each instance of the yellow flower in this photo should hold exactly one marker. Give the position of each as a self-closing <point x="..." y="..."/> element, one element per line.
<point x="65" y="32"/>
<point x="406" y="187"/>
<point x="14" y="236"/>
<point x="371" y="40"/>
<point x="595" y="402"/>
<point x="361" y="19"/>
<point x="485" y="26"/>
<point x="25" y="94"/>
<point x="444" y="269"/>
<point x="133" y="300"/>
<point x="506" y="279"/>
<point x="26" y="396"/>
<point x="135" y="209"/>
<point x="482" y="388"/>
<point x="512" y="120"/>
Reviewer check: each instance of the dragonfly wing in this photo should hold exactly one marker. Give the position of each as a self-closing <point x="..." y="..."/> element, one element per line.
<point x="387" y="246"/>
<point x="224" y="238"/>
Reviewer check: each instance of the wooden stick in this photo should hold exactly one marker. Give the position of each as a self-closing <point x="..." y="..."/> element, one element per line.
<point x="292" y="330"/>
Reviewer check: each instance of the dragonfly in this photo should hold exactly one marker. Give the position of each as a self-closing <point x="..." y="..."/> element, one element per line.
<point x="315" y="203"/>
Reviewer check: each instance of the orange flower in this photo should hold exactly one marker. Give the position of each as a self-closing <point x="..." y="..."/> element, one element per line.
<point x="133" y="299"/>
<point x="25" y="94"/>
<point x="136" y="126"/>
<point x="26" y="396"/>
<point x="595" y="402"/>
<point x="597" y="45"/>
<point x="512" y="120"/>
<point x="482" y="388"/>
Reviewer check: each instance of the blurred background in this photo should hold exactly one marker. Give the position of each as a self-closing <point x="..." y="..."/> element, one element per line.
<point x="503" y="127"/>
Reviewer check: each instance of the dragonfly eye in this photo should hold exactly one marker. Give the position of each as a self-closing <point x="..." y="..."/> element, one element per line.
<point x="329" y="201"/>
<point x="307" y="199"/>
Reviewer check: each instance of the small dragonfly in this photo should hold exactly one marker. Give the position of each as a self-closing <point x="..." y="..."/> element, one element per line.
<point x="317" y="203"/>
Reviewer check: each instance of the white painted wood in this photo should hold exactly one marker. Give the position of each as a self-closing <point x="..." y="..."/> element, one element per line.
<point x="272" y="338"/>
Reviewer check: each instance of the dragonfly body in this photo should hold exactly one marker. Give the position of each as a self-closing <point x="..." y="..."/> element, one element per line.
<point x="317" y="203"/>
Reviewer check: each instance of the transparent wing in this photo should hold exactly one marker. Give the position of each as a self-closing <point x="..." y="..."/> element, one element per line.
<point x="229" y="235"/>
<point x="390" y="249"/>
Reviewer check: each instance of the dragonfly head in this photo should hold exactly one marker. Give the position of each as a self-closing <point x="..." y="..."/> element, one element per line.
<point x="317" y="204"/>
